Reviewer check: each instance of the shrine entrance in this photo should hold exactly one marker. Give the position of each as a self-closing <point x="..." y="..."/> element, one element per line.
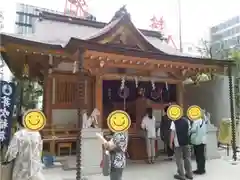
<point x="134" y="83"/>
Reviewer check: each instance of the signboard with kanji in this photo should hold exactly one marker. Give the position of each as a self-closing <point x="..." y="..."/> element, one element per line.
<point x="7" y="91"/>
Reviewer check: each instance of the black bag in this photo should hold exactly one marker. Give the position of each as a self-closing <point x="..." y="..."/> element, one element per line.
<point x="106" y="163"/>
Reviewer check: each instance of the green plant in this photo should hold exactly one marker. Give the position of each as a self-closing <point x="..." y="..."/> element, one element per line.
<point x="235" y="56"/>
<point x="31" y="91"/>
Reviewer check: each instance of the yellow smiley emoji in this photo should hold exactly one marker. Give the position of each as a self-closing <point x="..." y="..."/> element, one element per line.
<point x="174" y="112"/>
<point x="118" y="121"/>
<point x="34" y="120"/>
<point x="194" y="112"/>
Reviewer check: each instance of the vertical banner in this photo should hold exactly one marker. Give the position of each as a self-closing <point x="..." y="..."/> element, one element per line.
<point x="7" y="91"/>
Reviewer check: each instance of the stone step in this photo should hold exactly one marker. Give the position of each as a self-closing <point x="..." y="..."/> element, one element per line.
<point x="55" y="165"/>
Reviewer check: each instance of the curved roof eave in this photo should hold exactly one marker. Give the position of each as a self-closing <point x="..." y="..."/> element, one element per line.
<point x="121" y="21"/>
<point x="32" y="41"/>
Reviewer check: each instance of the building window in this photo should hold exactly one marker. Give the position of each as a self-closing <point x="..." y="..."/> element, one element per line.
<point x="237" y="29"/>
<point x="20" y="18"/>
<point x="20" y="29"/>
<point x="238" y="39"/>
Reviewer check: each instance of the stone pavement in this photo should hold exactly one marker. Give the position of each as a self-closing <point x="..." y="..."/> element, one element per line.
<point x="219" y="169"/>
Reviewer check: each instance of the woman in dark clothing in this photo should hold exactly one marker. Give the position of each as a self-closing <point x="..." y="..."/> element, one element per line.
<point x="165" y="132"/>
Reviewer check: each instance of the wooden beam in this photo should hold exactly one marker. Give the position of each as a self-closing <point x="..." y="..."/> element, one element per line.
<point x="134" y="59"/>
<point x="180" y="94"/>
<point x="35" y="50"/>
<point x="115" y="76"/>
<point x="102" y="71"/>
<point x="127" y="65"/>
<point x="174" y="76"/>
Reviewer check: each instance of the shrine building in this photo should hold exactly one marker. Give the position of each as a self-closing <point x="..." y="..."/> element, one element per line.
<point x="108" y="66"/>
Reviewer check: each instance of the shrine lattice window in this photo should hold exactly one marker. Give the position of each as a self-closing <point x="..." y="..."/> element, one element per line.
<point x="65" y="91"/>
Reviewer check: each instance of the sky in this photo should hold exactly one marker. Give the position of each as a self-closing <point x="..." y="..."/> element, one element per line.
<point x="197" y="16"/>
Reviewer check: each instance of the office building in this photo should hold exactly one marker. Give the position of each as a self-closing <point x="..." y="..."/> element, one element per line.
<point x="1" y="20"/>
<point x="225" y="35"/>
<point x="26" y="15"/>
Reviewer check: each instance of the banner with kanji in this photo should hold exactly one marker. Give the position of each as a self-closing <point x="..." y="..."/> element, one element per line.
<point x="7" y="100"/>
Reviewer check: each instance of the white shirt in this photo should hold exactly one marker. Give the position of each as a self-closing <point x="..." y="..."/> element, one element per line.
<point x="26" y="148"/>
<point x="173" y="128"/>
<point x="150" y="125"/>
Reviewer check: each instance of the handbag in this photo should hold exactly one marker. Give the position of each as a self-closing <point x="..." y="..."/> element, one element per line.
<point x="6" y="170"/>
<point x="106" y="163"/>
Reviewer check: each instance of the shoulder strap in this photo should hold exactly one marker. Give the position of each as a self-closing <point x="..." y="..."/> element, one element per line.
<point x="202" y="123"/>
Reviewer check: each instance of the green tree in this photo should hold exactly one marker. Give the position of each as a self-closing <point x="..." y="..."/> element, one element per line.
<point x="235" y="56"/>
<point x="30" y="91"/>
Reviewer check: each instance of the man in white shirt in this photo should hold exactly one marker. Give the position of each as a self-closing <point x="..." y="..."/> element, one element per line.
<point x="180" y="139"/>
<point x="149" y="125"/>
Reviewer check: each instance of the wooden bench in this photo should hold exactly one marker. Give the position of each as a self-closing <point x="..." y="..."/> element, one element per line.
<point x="65" y="146"/>
<point x="62" y="137"/>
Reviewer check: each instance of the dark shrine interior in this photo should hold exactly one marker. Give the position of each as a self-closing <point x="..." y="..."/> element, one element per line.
<point x="134" y="98"/>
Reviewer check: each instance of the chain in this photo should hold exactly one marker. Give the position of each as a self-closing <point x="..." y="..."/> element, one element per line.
<point x="233" y="121"/>
<point x="1" y="68"/>
<point x="81" y="102"/>
<point x="1" y="81"/>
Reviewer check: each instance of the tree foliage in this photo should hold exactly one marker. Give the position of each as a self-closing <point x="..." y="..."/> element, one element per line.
<point x="30" y="91"/>
<point x="206" y="50"/>
<point x="235" y="56"/>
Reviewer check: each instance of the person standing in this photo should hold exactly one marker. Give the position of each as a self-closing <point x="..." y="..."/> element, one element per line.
<point x="149" y="125"/>
<point x="117" y="147"/>
<point x="180" y="139"/>
<point x="25" y="151"/>
<point x="165" y="133"/>
<point x="198" y="134"/>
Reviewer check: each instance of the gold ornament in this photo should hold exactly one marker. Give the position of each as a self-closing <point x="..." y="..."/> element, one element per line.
<point x="25" y="70"/>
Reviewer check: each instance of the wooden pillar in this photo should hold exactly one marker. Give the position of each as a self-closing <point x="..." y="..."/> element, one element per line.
<point x="180" y="95"/>
<point x="47" y="98"/>
<point x="47" y="102"/>
<point x="47" y="95"/>
<point x="99" y="98"/>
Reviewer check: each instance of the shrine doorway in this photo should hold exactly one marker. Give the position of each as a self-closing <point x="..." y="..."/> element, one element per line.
<point x="134" y="97"/>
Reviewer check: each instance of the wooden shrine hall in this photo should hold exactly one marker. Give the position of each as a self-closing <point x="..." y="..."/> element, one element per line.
<point x="117" y="68"/>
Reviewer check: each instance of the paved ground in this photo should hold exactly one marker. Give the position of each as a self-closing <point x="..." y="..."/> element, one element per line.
<point x="219" y="169"/>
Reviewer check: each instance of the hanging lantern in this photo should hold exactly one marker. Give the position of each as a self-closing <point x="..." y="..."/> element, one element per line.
<point x="25" y="72"/>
